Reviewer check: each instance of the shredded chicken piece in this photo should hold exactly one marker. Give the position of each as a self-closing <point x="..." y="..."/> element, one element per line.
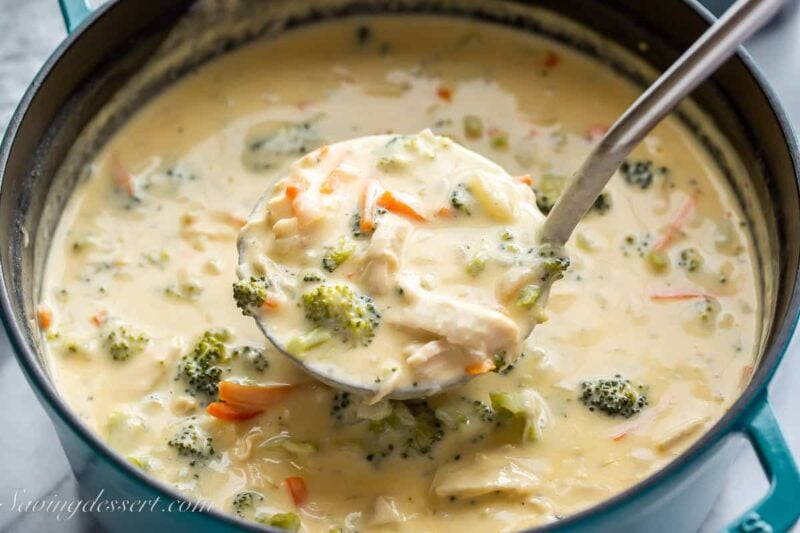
<point x="436" y="359"/>
<point x="385" y="512"/>
<point x="487" y="474"/>
<point x="383" y="254"/>
<point x="474" y="327"/>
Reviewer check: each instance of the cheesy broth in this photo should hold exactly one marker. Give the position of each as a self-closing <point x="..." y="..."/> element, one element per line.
<point x="143" y="332"/>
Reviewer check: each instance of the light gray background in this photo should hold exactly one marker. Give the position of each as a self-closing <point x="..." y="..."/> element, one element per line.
<point x="32" y="464"/>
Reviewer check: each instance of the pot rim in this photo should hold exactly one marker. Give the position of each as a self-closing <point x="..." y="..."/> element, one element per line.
<point x="732" y="421"/>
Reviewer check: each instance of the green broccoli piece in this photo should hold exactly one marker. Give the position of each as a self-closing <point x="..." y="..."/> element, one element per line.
<point x="477" y="264"/>
<point x="338" y="308"/>
<point x="312" y="277"/>
<point x="250" y="294"/>
<point x="337" y="255"/>
<point x="691" y="259"/>
<point x="473" y="127"/>
<point x="122" y="343"/>
<point x="200" y="369"/>
<point x="308" y="341"/>
<point x="286" y="521"/>
<point x="528" y="296"/>
<point x="410" y="426"/>
<point x="514" y="412"/>
<point x="191" y="441"/>
<point x="244" y="500"/>
<point x="616" y="396"/>
<point x="548" y="190"/>
<point x="252" y="355"/>
<point x="641" y="173"/>
<point x="602" y="204"/>
<point x="499" y="140"/>
<point x="461" y="199"/>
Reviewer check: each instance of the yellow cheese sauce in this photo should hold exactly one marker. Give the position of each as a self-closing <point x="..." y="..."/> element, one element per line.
<point x="143" y="332"/>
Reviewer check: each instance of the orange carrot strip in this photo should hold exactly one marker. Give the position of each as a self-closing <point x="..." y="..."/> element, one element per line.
<point x="231" y="412"/>
<point x="677" y="223"/>
<point x="271" y="304"/>
<point x="476" y="369"/>
<point x="399" y="206"/>
<point x="525" y="178"/>
<point x="596" y="131"/>
<point x="445" y="212"/>
<point x="369" y="195"/>
<point x="619" y="436"/>
<point x="45" y="317"/>
<point x="445" y="94"/>
<point x="551" y="59"/>
<point x="253" y="397"/>
<point x="99" y="318"/>
<point x="297" y="489"/>
<point x="292" y="192"/>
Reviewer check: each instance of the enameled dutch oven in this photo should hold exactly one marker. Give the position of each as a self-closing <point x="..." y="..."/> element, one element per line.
<point x="107" y="47"/>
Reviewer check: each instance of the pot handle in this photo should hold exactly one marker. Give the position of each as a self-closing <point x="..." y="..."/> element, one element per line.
<point x="780" y="508"/>
<point x="74" y="13"/>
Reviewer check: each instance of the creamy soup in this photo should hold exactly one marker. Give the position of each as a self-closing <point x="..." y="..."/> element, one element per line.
<point x="399" y="263"/>
<point x="650" y="335"/>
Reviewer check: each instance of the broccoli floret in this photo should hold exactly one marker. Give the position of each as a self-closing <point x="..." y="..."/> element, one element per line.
<point x="528" y="296"/>
<point x="473" y="127"/>
<point x="312" y="277"/>
<point x="409" y="427"/>
<point x="602" y="204"/>
<point x="616" y="396"/>
<point x="691" y="259"/>
<point x="244" y="500"/>
<point x="250" y="294"/>
<point x="122" y="343"/>
<point x="199" y="367"/>
<point x="516" y="412"/>
<point x="548" y="190"/>
<point x="641" y="173"/>
<point x="337" y="255"/>
<point x="338" y="308"/>
<point x="308" y="341"/>
<point x="461" y="199"/>
<point x="253" y="356"/>
<point x="286" y="521"/>
<point x="478" y="262"/>
<point x="191" y="441"/>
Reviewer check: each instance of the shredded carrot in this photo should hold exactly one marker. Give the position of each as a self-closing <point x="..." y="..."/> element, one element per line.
<point x="45" y="317"/>
<point x="397" y="205"/>
<point x="271" y="304"/>
<point x="445" y="212"/>
<point x="330" y="182"/>
<point x="297" y="489"/>
<point x="551" y="59"/>
<point x="525" y="178"/>
<point x="596" y="131"/>
<point x="445" y="94"/>
<point x="369" y="195"/>
<point x="292" y="192"/>
<point x="678" y="296"/>
<point x="476" y="369"/>
<point x="674" y="227"/>
<point x="619" y="436"/>
<point x="231" y="412"/>
<point x="253" y="397"/>
<point x="99" y="318"/>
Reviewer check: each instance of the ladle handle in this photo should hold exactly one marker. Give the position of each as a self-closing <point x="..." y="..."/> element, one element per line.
<point x="716" y="45"/>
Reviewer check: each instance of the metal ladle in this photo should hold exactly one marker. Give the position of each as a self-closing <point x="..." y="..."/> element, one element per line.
<point x="715" y="46"/>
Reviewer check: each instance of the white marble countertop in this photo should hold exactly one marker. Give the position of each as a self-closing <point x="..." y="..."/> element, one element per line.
<point x="33" y="466"/>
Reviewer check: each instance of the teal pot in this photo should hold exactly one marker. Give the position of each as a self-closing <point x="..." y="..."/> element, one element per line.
<point x="107" y="47"/>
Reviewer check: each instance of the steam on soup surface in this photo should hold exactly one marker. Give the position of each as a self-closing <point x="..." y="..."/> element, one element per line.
<point x="650" y="337"/>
